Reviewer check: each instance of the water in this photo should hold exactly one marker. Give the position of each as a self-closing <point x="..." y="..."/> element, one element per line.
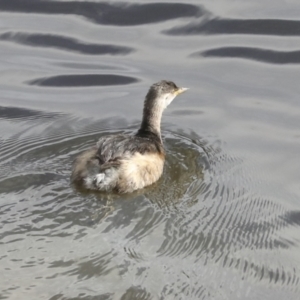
<point x="223" y="221"/>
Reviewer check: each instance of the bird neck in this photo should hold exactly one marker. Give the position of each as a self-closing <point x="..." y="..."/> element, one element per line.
<point x="152" y="117"/>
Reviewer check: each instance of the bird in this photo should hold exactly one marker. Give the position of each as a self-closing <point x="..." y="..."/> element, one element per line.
<point x="123" y="163"/>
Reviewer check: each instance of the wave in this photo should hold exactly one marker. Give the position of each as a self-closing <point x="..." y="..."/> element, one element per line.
<point x="257" y="54"/>
<point x="218" y="25"/>
<point x="64" y="43"/>
<point x="106" y="13"/>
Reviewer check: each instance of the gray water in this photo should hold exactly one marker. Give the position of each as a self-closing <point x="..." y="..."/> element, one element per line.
<point x="223" y="221"/>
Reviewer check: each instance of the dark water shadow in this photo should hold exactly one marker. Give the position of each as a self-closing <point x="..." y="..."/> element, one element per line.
<point x="9" y="113"/>
<point x="83" y="80"/>
<point x="262" y="55"/>
<point x="136" y="292"/>
<point x="89" y="297"/>
<point x="121" y="14"/>
<point x="21" y="182"/>
<point x="64" y="43"/>
<point x="234" y="26"/>
<point x="292" y="217"/>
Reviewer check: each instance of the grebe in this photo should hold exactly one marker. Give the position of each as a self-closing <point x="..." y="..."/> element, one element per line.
<point x="123" y="163"/>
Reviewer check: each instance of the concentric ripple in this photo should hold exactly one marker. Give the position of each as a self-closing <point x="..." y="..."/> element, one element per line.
<point x="199" y="218"/>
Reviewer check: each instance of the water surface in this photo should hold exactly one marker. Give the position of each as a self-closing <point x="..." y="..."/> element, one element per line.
<point x="223" y="221"/>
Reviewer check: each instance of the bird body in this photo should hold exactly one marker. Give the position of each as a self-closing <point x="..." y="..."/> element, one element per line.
<point x="124" y="163"/>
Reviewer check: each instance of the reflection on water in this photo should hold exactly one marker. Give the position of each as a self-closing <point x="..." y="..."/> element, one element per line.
<point x="223" y="220"/>
<point x="263" y="55"/>
<point x="236" y="26"/>
<point x="83" y="80"/>
<point x="64" y="43"/>
<point x="119" y="13"/>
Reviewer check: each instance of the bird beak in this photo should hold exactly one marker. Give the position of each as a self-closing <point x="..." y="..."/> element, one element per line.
<point x="180" y="91"/>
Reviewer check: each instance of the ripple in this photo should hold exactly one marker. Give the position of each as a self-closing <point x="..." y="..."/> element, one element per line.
<point x="120" y="14"/>
<point x="18" y="151"/>
<point x="64" y="43"/>
<point x="22" y="182"/>
<point x="201" y="215"/>
<point x="136" y="292"/>
<point x="61" y="296"/>
<point x="186" y="162"/>
<point x="219" y="25"/>
<point x="226" y="219"/>
<point x="106" y="296"/>
<point x="95" y="265"/>
<point x="262" y="55"/>
<point x="83" y="80"/>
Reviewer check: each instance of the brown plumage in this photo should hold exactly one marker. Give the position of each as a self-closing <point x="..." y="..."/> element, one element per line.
<point x="124" y="163"/>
